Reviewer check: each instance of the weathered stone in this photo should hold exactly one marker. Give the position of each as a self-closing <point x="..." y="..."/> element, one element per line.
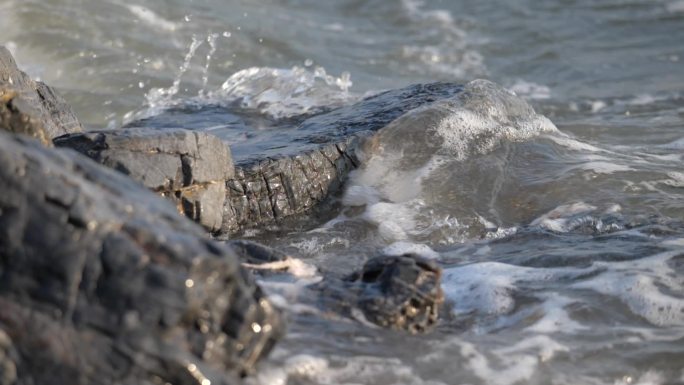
<point x="31" y="108"/>
<point x="397" y="292"/>
<point x="188" y="167"/>
<point x="102" y="282"/>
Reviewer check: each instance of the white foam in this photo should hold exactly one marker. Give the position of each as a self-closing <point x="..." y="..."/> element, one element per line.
<point x="638" y="284"/>
<point x="676" y="179"/>
<point x="393" y="220"/>
<point x="486" y="115"/>
<point x="294" y="266"/>
<point x="572" y="144"/>
<point x="560" y="218"/>
<point x="360" y="195"/>
<point x="555" y="319"/>
<point x="281" y="93"/>
<point x="402" y="247"/>
<point x="651" y="377"/>
<point x="334" y="370"/>
<point x="148" y="16"/>
<point x="488" y="287"/>
<point x="605" y="167"/>
<point x="513" y="364"/>
<point x="530" y="90"/>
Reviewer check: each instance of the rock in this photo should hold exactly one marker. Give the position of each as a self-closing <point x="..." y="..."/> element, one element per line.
<point x="31" y="108"/>
<point x="295" y="164"/>
<point x="188" y="167"/>
<point x="102" y="282"/>
<point x="397" y="292"/>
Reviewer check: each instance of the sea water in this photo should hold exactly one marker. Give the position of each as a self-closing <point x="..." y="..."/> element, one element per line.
<point x="554" y="204"/>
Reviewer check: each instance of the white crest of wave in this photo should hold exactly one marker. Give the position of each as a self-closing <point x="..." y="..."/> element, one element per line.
<point x="407" y="153"/>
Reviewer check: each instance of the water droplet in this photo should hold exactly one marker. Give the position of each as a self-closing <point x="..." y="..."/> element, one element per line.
<point x="308" y="63"/>
<point x="226" y="34"/>
<point x="187" y="18"/>
<point x="261" y="40"/>
<point x="141" y="84"/>
<point x="256" y="327"/>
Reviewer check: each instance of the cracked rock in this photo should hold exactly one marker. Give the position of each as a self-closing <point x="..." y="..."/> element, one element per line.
<point x="188" y="167"/>
<point x="102" y="282"/>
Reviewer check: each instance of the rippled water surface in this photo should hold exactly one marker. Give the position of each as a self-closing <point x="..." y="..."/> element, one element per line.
<point x="561" y="232"/>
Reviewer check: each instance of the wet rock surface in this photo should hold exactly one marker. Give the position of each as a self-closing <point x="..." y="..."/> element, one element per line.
<point x="290" y="166"/>
<point x="31" y="107"/>
<point x="102" y="282"/>
<point x="188" y="167"/>
<point x="397" y="292"/>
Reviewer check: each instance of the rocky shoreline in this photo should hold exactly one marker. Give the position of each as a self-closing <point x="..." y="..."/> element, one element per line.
<point x="102" y="281"/>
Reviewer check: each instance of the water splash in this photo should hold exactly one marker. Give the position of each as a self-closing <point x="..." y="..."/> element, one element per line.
<point x="159" y="98"/>
<point x="211" y="39"/>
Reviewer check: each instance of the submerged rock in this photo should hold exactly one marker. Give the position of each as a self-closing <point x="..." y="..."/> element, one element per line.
<point x="397" y="292"/>
<point x="31" y="108"/>
<point x="102" y="282"/>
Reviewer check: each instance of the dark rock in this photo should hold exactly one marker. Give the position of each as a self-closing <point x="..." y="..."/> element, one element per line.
<point x="31" y="108"/>
<point x="397" y="292"/>
<point x="188" y="167"/>
<point x="102" y="282"/>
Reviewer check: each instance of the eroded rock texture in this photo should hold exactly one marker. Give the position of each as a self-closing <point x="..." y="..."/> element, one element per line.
<point x="102" y="282"/>
<point x="188" y="167"/>
<point x="31" y="108"/>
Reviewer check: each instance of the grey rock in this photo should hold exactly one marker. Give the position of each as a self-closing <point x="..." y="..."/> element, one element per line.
<point x="397" y="292"/>
<point x="188" y="167"/>
<point x="102" y="282"/>
<point x="31" y="108"/>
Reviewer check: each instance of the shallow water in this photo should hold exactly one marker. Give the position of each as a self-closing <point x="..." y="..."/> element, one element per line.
<point x="561" y="240"/>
